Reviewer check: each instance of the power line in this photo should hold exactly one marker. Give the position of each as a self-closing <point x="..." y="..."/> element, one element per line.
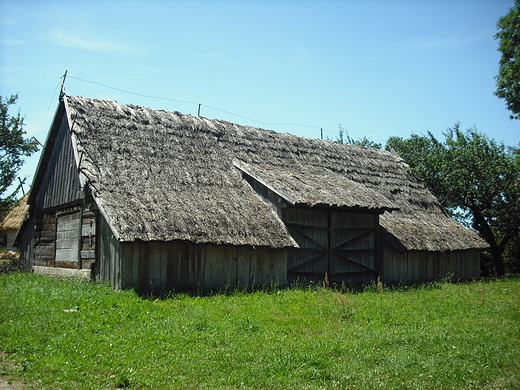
<point x="48" y="110"/>
<point x="130" y="92"/>
<point x="199" y="105"/>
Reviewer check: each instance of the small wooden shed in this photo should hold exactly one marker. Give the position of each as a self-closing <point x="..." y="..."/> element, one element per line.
<point x="12" y="221"/>
<point x="154" y="199"/>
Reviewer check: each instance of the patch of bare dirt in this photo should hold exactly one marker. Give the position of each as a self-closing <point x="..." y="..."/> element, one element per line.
<point x="8" y="385"/>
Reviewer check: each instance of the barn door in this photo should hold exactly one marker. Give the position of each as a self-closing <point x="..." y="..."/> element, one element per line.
<point x="339" y="244"/>
<point x="68" y="229"/>
<point x="353" y="247"/>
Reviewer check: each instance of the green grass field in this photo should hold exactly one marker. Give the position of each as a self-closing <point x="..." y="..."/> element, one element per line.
<point x="71" y="334"/>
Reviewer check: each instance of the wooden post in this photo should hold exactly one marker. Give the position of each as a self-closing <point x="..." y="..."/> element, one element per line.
<point x="80" y="237"/>
<point x="55" y="237"/>
<point x="378" y="252"/>
<point x="329" y="239"/>
<point x="62" y="92"/>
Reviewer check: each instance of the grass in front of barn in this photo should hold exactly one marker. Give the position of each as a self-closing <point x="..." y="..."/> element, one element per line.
<point x="71" y="334"/>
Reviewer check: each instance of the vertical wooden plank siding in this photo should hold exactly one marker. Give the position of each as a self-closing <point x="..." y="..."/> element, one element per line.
<point x="108" y="264"/>
<point x="88" y="239"/>
<point x="422" y="266"/>
<point x="58" y="187"/>
<point x="27" y="243"/>
<point x="144" y="266"/>
<point x="149" y="266"/>
<point x="60" y="183"/>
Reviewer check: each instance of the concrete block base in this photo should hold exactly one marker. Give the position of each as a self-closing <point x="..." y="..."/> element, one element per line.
<point x="63" y="272"/>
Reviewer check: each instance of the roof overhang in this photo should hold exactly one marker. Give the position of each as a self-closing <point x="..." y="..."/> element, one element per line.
<point x="301" y="187"/>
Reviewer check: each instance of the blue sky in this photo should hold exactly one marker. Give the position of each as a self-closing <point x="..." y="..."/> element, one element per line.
<point x="378" y="68"/>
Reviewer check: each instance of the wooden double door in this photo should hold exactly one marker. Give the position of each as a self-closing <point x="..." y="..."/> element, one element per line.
<point x="341" y="245"/>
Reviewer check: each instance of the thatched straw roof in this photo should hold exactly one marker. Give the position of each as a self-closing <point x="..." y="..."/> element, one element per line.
<point x="14" y="218"/>
<point x="165" y="176"/>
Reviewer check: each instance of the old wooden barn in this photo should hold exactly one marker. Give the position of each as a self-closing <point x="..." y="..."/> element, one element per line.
<point x="153" y="199"/>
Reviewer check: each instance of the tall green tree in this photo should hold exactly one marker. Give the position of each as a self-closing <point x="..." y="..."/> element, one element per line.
<point x="13" y="147"/>
<point x="508" y="78"/>
<point x="476" y="179"/>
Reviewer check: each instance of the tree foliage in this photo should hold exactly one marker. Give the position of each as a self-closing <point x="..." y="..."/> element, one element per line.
<point x="344" y="138"/>
<point x="13" y="147"/>
<point x="508" y="78"/>
<point x="476" y="179"/>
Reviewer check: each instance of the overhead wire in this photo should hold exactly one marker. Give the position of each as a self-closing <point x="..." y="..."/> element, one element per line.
<point x="200" y="105"/>
<point x="48" y="110"/>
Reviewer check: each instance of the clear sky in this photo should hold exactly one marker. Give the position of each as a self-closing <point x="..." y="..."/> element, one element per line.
<point x="378" y="68"/>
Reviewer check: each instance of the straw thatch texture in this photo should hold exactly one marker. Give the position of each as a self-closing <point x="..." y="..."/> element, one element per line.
<point x="15" y="216"/>
<point x="316" y="171"/>
<point x="167" y="176"/>
<point x="161" y="177"/>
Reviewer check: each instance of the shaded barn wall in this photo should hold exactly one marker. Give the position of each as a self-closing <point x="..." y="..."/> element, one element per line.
<point x="26" y="244"/>
<point x="44" y="238"/>
<point x="178" y="265"/>
<point x="148" y="266"/>
<point x="10" y="236"/>
<point x="64" y="238"/>
<point x="109" y="256"/>
<point x="51" y="236"/>
<point x="339" y="244"/>
<point x="66" y="244"/>
<point x="60" y="182"/>
<point x="419" y="266"/>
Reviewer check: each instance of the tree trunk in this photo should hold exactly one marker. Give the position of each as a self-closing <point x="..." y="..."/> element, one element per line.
<point x="496" y="251"/>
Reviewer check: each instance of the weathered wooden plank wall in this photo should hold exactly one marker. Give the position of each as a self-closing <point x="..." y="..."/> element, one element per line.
<point x="419" y="267"/>
<point x="88" y="240"/>
<point x="108" y="264"/>
<point x="64" y="238"/>
<point x="26" y="244"/>
<point x="44" y="238"/>
<point x="178" y="265"/>
<point x="68" y="226"/>
<point x="60" y="184"/>
<point x="48" y="239"/>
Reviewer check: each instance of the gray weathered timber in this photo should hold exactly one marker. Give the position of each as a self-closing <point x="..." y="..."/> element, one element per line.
<point x="67" y="239"/>
<point x="108" y="266"/>
<point x="58" y="182"/>
<point x="44" y="237"/>
<point x="88" y="239"/>
<point x="179" y="266"/>
<point x="419" y="266"/>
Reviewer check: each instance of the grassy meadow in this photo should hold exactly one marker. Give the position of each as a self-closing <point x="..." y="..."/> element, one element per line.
<point x="71" y="334"/>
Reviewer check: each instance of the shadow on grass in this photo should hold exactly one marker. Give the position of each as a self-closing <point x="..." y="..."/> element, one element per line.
<point x="352" y="288"/>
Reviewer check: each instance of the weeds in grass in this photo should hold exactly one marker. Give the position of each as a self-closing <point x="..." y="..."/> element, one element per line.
<point x="10" y="262"/>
